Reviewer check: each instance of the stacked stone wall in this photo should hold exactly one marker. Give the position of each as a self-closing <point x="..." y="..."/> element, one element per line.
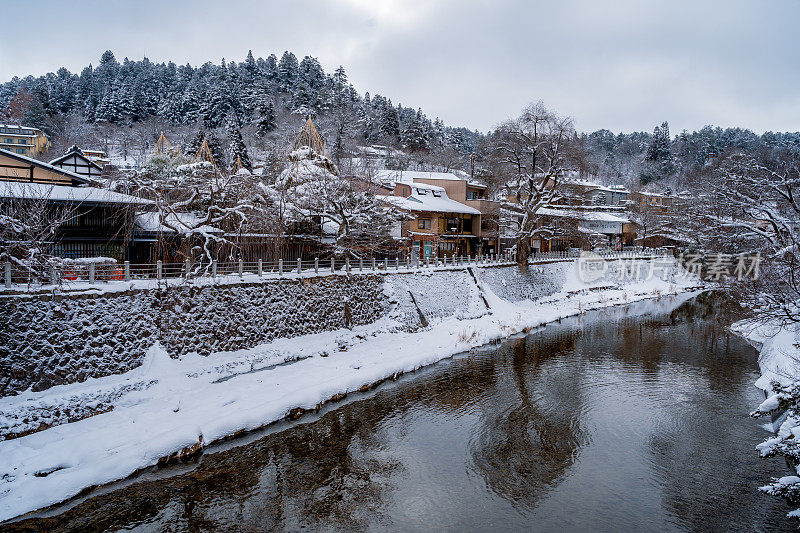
<point x="50" y="340"/>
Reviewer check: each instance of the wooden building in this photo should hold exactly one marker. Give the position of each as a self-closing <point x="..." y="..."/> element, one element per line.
<point x="23" y="140"/>
<point x="77" y="162"/>
<point x="93" y="222"/>
<point x="471" y="193"/>
<point x="437" y="226"/>
<point x="18" y="167"/>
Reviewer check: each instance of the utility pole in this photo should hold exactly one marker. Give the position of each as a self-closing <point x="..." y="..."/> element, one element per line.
<point x="472" y="166"/>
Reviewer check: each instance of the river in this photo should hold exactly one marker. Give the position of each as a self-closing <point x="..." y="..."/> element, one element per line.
<point x="628" y="419"/>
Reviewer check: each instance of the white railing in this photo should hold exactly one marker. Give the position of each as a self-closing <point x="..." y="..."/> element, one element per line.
<point x="90" y="274"/>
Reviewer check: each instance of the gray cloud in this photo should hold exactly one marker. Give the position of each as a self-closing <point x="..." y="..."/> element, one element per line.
<point x="623" y="65"/>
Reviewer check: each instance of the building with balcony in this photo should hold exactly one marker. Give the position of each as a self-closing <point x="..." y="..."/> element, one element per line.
<point x="22" y="140"/>
<point x="471" y="193"/>
<point x="436" y="226"/>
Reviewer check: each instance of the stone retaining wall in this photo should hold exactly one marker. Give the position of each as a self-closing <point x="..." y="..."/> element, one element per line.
<point x="515" y="286"/>
<point x="57" y="339"/>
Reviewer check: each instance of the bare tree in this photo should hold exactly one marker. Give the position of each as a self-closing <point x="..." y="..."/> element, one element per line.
<point x="529" y="158"/>
<point x="29" y="224"/>
<point x="652" y="221"/>
<point x="201" y="204"/>
<point x="748" y="207"/>
<point x="311" y="189"/>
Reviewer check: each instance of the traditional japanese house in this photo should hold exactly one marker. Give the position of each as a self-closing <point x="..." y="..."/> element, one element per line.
<point x="77" y="162"/>
<point x="89" y="221"/>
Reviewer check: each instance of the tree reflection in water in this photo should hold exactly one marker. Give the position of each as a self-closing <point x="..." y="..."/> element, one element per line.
<point x="529" y="434"/>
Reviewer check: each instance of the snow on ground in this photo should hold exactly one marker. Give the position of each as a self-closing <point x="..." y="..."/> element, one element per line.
<point x="779" y="361"/>
<point x="167" y="405"/>
<point x="779" y="347"/>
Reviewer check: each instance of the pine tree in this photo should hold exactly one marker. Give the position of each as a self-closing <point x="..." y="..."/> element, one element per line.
<point x="271" y="67"/>
<point x="214" y="144"/>
<point x="64" y="90"/>
<point x="250" y="67"/>
<point x="414" y="136"/>
<point x="35" y="116"/>
<point x="340" y="79"/>
<point x="217" y="103"/>
<point x="237" y="150"/>
<point x="659" y="163"/>
<point x="191" y="147"/>
<point x="266" y="120"/>
<point x="217" y="149"/>
<point x="389" y="122"/>
<point x="287" y="72"/>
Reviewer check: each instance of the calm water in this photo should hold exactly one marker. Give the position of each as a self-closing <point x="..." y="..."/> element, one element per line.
<point x="630" y="419"/>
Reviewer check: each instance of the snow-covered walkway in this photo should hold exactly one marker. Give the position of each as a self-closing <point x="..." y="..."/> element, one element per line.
<point x="167" y="405"/>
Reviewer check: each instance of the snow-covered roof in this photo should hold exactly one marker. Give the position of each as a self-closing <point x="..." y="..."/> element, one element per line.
<point x="183" y="223"/>
<point x="602" y="217"/>
<point x="77" y="152"/>
<point x="410" y="176"/>
<point x="582" y="182"/>
<point x="597" y="216"/>
<point x="427" y="187"/>
<point x="654" y="194"/>
<point x="615" y="188"/>
<point x="10" y="127"/>
<point x="47" y="166"/>
<point x="429" y="198"/>
<point x="64" y="193"/>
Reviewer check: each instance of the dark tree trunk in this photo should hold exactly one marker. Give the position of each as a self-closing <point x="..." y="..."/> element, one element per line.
<point x="523" y="251"/>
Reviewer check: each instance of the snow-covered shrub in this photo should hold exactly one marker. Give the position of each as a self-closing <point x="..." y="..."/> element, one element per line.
<point x="105" y="268"/>
<point x="787" y="441"/>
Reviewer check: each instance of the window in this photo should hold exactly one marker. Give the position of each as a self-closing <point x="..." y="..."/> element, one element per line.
<point x="21" y="150"/>
<point x="473" y="195"/>
<point x="466" y="225"/>
<point x="423" y="223"/>
<point x="422" y="192"/>
<point x="452" y="225"/>
<point x="447" y="246"/>
<point x="8" y="141"/>
<point x="437" y="194"/>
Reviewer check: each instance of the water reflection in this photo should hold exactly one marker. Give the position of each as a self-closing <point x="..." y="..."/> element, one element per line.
<point x="625" y="419"/>
<point x="528" y="436"/>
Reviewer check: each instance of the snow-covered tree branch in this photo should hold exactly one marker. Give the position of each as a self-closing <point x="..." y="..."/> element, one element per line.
<point x="529" y="158"/>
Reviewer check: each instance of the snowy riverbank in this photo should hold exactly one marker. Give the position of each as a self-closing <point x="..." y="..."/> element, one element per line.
<point x="779" y="353"/>
<point x="779" y="361"/>
<point x="168" y="405"/>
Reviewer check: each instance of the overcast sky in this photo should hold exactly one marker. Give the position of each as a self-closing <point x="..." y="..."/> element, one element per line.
<point x="624" y="65"/>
